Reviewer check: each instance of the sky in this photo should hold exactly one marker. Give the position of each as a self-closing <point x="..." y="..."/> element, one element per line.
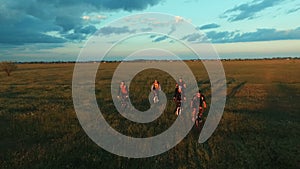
<point x="58" y="30"/>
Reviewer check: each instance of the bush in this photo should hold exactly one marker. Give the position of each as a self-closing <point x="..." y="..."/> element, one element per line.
<point x="8" y="67"/>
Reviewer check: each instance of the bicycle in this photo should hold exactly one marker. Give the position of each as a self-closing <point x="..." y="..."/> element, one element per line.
<point x="178" y="109"/>
<point x="199" y="115"/>
<point x="124" y="102"/>
<point x="155" y="98"/>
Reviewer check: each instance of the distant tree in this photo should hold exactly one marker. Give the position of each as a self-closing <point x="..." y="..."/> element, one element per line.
<point x="8" y="67"/>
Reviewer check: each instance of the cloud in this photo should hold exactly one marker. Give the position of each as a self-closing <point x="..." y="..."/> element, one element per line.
<point x="220" y="37"/>
<point x="75" y="36"/>
<point x="293" y="10"/>
<point x="146" y="29"/>
<point x="194" y="38"/>
<point x="258" y="35"/>
<point x="80" y="33"/>
<point x="178" y="19"/>
<point x="29" y="30"/>
<point x="22" y="37"/>
<point x="93" y="18"/>
<point x="127" y="5"/>
<point x="249" y="10"/>
<point x="209" y="26"/>
<point x="101" y="17"/>
<point x="114" y="30"/>
<point x="173" y="29"/>
<point x="152" y="36"/>
<point x="37" y="17"/>
<point x="159" y="39"/>
<point x="86" y="29"/>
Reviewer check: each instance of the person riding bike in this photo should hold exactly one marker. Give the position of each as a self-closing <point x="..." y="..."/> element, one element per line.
<point x="183" y="86"/>
<point x="123" y="93"/>
<point x="198" y="99"/>
<point x="178" y="95"/>
<point x="155" y="88"/>
<point x="181" y="83"/>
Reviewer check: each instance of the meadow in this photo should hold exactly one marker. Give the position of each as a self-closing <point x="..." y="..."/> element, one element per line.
<point x="259" y="128"/>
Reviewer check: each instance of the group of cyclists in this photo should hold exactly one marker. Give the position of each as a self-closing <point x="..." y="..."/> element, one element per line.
<point x="197" y="103"/>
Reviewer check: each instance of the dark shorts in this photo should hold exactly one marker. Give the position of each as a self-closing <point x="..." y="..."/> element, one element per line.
<point x="178" y="103"/>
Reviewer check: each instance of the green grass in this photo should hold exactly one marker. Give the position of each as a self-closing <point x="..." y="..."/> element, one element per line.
<point x="259" y="128"/>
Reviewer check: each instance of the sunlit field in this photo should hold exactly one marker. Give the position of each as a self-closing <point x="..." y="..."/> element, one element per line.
<point x="259" y="128"/>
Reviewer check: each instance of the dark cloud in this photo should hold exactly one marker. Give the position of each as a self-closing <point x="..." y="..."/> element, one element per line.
<point x="22" y="37"/>
<point x="220" y="37"/>
<point x="67" y="23"/>
<point x="159" y="39"/>
<point x="38" y="17"/>
<point x="75" y="36"/>
<point x="258" y="35"/>
<point x="152" y="36"/>
<point x="86" y="29"/>
<point x="114" y="30"/>
<point x="127" y="5"/>
<point x="293" y="10"/>
<point x="195" y="38"/>
<point x="209" y="26"/>
<point x="249" y="10"/>
<point x="29" y="30"/>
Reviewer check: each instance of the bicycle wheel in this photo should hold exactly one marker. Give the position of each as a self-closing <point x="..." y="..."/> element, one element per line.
<point x="155" y="99"/>
<point x="178" y="111"/>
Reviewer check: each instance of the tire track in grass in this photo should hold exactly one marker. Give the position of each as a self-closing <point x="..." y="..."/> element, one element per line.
<point x="235" y="89"/>
<point x="206" y="147"/>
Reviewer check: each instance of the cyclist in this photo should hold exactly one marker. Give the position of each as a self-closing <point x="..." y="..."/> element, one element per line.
<point x="181" y="83"/>
<point x="123" y="93"/>
<point x="183" y="86"/>
<point x="155" y="88"/>
<point x="199" y="98"/>
<point x="178" y="101"/>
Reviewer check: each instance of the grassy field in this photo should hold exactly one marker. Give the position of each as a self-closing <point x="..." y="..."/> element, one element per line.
<point x="259" y="129"/>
